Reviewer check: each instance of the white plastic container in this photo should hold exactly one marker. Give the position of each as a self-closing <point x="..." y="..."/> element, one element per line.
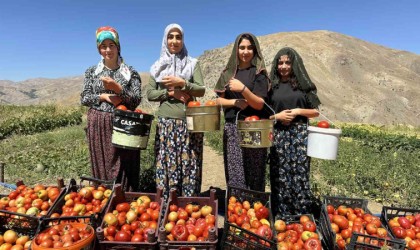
<point x="323" y="142"/>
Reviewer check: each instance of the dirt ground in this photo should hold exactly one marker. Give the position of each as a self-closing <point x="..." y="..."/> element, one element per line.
<point x="214" y="176"/>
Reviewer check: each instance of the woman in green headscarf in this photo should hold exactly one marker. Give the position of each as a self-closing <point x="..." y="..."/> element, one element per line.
<point x="243" y="87"/>
<point x="294" y="99"/>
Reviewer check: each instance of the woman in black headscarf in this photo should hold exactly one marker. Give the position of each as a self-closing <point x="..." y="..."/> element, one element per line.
<point x="294" y="99"/>
<point x="243" y="87"/>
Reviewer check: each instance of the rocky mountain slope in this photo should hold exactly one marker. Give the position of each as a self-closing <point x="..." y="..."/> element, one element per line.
<point x="357" y="81"/>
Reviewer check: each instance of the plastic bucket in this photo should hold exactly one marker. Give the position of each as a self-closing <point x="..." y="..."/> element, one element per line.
<point x="255" y="134"/>
<point x="85" y="244"/>
<point x="323" y="142"/>
<point x="203" y="118"/>
<point x="131" y="130"/>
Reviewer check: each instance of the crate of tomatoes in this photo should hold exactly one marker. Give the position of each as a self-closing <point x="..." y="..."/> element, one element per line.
<point x="189" y="222"/>
<point x="67" y="232"/>
<point x="91" y="196"/>
<point x="248" y="220"/>
<point x="131" y="220"/>
<point x="347" y="216"/>
<point x="15" y="238"/>
<point x="403" y="224"/>
<point x="298" y="232"/>
<point x="369" y="242"/>
<point x="21" y="208"/>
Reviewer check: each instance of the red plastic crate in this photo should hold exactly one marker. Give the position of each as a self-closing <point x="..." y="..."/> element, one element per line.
<point x="120" y="196"/>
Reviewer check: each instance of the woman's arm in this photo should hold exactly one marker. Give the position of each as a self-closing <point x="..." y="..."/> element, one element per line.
<point x="154" y="93"/>
<point x="228" y="103"/>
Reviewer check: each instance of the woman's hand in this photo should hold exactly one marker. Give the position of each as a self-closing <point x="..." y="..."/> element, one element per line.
<point x="173" y="81"/>
<point x="111" y="98"/>
<point x="285" y="116"/>
<point x="179" y="94"/>
<point x="110" y="84"/>
<point x="235" y="85"/>
<point x="240" y="103"/>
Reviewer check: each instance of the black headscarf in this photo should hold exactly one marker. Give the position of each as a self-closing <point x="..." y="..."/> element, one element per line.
<point x="232" y="65"/>
<point x="304" y="83"/>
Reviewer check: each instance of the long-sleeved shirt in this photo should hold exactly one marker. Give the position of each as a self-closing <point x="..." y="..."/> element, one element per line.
<point x="171" y="107"/>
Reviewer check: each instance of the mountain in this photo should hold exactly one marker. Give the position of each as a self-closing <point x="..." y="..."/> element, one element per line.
<point x="357" y="81"/>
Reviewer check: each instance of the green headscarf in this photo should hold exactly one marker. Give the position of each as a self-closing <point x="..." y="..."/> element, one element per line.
<point x="232" y="65"/>
<point x="298" y="69"/>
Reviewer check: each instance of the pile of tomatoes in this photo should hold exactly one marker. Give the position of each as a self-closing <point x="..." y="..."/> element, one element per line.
<point x="198" y="104"/>
<point x="189" y="223"/>
<point x="252" y="118"/>
<point x="252" y="217"/>
<point x="346" y="220"/>
<point x="30" y="201"/>
<point x="299" y="234"/>
<point x="407" y="228"/>
<point x="88" y="200"/>
<point x="63" y="235"/>
<point x="11" y="240"/>
<point x="131" y="222"/>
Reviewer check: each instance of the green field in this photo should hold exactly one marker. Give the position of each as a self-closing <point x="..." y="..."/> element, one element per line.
<point x="381" y="164"/>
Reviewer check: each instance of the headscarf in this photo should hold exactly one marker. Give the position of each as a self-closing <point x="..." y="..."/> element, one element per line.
<point x="180" y="64"/>
<point x="107" y="32"/>
<point x="298" y="69"/>
<point x="232" y="65"/>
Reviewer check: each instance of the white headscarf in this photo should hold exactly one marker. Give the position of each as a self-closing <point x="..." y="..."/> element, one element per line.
<point x="180" y="64"/>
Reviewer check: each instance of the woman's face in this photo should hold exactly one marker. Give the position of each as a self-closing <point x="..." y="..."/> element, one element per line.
<point x="175" y="42"/>
<point x="245" y="51"/>
<point x="109" y="50"/>
<point x="284" y="67"/>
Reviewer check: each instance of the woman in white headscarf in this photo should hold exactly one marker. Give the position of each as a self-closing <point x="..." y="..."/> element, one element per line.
<point x="175" y="80"/>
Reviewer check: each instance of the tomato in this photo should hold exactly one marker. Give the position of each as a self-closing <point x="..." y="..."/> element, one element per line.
<point x="123" y="207"/>
<point x="122" y="236"/>
<point x="252" y="118"/>
<point x="265" y="231"/>
<point x="210" y="103"/>
<point x="404" y="222"/>
<point x="399" y="232"/>
<point x="262" y="213"/>
<point x="312" y="244"/>
<point x="323" y="124"/>
<point x="309" y="226"/>
<point x="194" y="104"/>
<point x="180" y="232"/>
<point x="206" y="210"/>
<point x="122" y="107"/>
<point x="137" y="238"/>
<point x="138" y="111"/>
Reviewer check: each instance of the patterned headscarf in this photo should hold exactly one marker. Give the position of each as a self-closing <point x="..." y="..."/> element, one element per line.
<point x="298" y="69"/>
<point x="107" y="32"/>
<point x="232" y="65"/>
<point x="180" y="64"/>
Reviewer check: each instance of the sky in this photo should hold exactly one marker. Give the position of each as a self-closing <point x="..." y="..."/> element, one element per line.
<point x="56" y="38"/>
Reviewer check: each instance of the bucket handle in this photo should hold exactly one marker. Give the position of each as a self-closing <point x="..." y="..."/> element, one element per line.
<point x="274" y="112"/>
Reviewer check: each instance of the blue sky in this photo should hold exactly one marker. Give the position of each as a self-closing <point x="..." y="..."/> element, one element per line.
<point x="56" y="38"/>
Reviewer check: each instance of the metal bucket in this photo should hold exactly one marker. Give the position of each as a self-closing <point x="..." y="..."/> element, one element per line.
<point x="131" y="130"/>
<point x="255" y="134"/>
<point x="203" y="118"/>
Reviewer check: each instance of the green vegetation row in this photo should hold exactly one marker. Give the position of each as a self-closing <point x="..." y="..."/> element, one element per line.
<point x="27" y="120"/>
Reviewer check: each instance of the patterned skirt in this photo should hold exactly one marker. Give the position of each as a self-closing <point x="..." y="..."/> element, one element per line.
<point x="290" y="170"/>
<point x="179" y="157"/>
<point x="107" y="161"/>
<point x="244" y="167"/>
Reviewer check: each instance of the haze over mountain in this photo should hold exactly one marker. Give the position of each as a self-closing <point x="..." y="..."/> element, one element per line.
<point x="357" y="81"/>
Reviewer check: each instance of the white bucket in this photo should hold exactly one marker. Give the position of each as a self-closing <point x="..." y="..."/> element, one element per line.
<point x="323" y="142"/>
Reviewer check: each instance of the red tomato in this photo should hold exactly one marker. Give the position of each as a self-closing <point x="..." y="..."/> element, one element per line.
<point x="309" y="226"/>
<point x="194" y="104"/>
<point x="252" y="118"/>
<point x="122" y="236"/>
<point x="313" y="244"/>
<point x="210" y="103"/>
<point x="262" y="213"/>
<point x="323" y="124"/>
<point x="138" y="111"/>
<point x="180" y="232"/>
<point x="122" y="107"/>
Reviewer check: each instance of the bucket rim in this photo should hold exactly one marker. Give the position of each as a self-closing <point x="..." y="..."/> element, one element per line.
<point x="332" y="131"/>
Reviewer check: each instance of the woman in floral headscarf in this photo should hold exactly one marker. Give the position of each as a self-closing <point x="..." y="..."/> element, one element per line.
<point x="243" y="87"/>
<point x="294" y="99"/>
<point x="175" y="80"/>
<point x="106" y="85"/>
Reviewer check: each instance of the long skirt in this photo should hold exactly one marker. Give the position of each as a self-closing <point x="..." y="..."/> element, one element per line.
<point x="107" y="161"/>
<point x="244" y="167"/>
<point x="179" y="157"/>
<point x="290" y="170"/>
